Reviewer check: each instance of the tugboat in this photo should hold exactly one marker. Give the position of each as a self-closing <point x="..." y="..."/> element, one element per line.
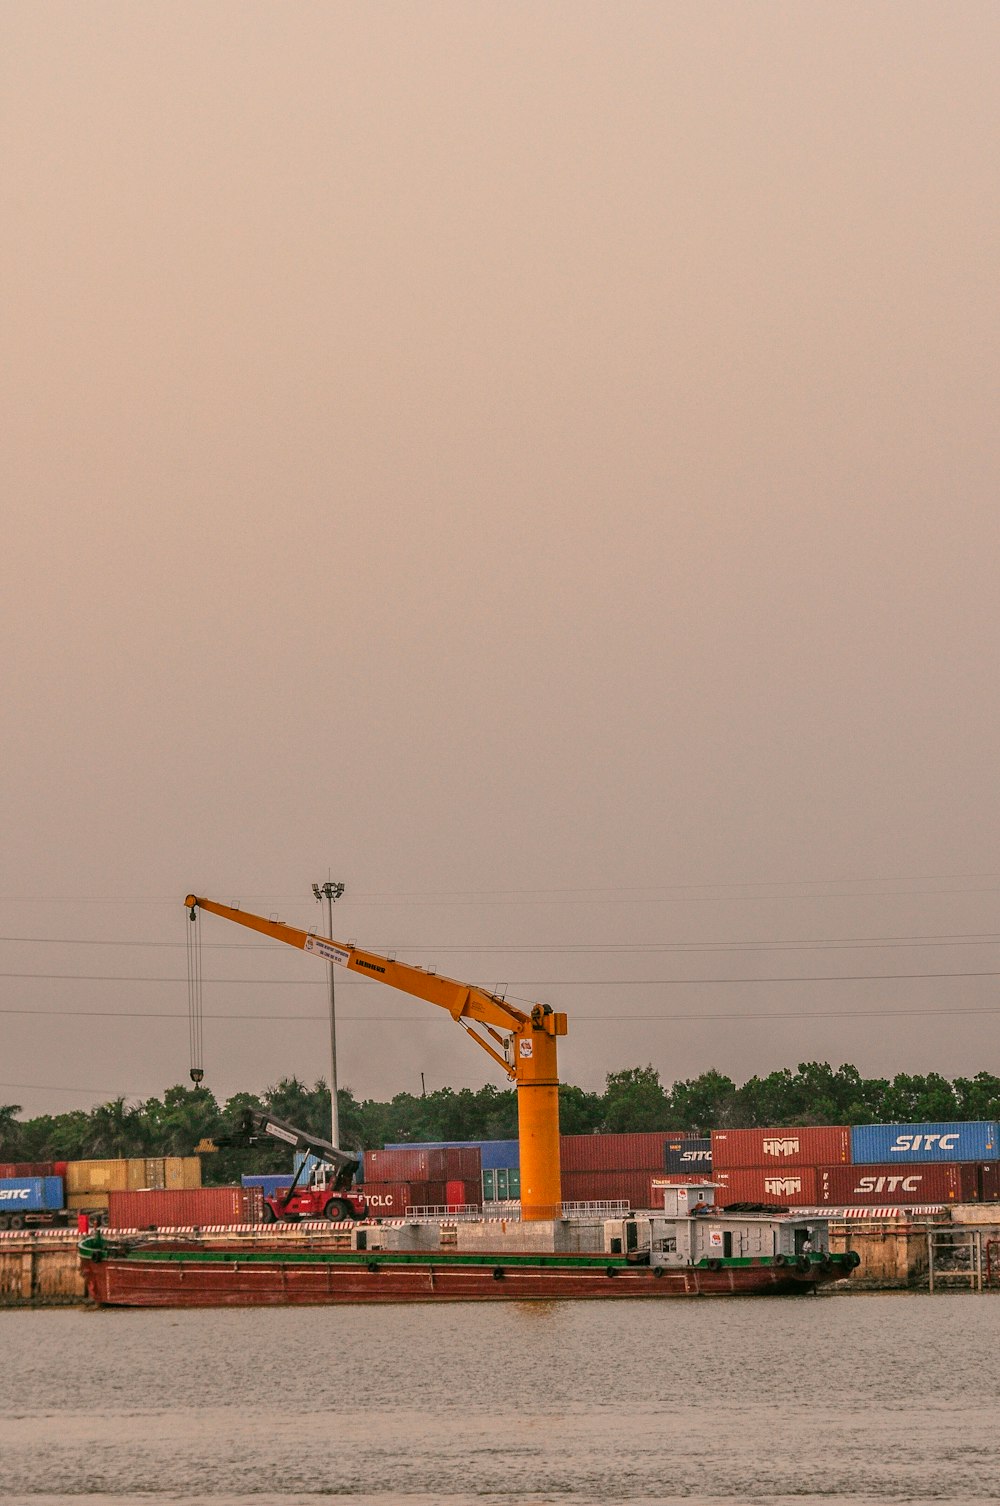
<point x="689" y="1249"/>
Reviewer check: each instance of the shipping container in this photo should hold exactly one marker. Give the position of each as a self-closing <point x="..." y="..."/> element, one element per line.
<point x="182" y="1207"/>
<point x="976" y="1140"/>
<point x="989" y="1181"/>
<point x="463" y="1194"/>
<point x="269" y="1182"/>
<point x="501" y="1183"/>
<point x="87" y="1202"/>
<point x="625" y="1152"/>
<point x="417" y="1164"/>
<point x="791" y="1187"/>
<point x="29" y="1169"/>
<point x="809" y="1145"/>
<point x="30" y="1194"/>
<point x="866" y="1186"/>
<point x="391" y="1199"/>
<point x="689" y="1154"/>
<point x="97" y="1176"/>
<point x="182" y="1171"/>
<point x="133" y="1174"/>
<point x="632" y="1187"/>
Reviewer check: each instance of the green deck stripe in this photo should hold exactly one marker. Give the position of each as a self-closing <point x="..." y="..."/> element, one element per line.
<point x="90" y="1249"/>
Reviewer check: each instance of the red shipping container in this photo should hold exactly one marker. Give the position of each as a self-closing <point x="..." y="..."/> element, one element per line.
<point x="632" y="1187"/>
<point x="916" y="1182"/>
<point x="788" y="1187"/>
<point x="30" y="1169"/>
<point x="391" y="1199"/>
<point x="463" y="1194"/>
<point x="180" y="1207"/>
<point x="420" y="1164"/>
<point x="989" y="1181"/>
<point x="632" y="1152"/>
<point x="811" y="1145"/>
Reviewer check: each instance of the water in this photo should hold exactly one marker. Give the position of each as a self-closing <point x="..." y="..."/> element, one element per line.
<point x="834" y="1399"/>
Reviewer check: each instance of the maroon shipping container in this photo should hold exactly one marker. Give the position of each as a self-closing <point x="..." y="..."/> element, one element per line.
<point x="31" y="1169"/>
<point x="812" y="1145"/>
<point x="391" y="1199"/>
<point x="455" y="1163"/>
<point x="989" y="1181"/>
<point x="633" y="1152"/>
<point x="788" y="1187"/>
<point x="180" y="1207"/>
<point x="632" y="1187"/>
<point x="916" y="1182"/>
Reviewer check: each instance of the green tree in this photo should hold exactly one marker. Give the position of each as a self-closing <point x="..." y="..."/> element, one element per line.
<point x="703" y="1103"/>
<point x="634" y="1100"/>
<point x="10" y="1132"/>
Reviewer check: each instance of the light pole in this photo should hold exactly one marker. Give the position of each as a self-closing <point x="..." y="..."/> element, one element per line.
<point x="329" y="892"/>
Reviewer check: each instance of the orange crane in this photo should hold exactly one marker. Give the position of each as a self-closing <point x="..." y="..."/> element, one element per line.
<point x="527" y="1042"/>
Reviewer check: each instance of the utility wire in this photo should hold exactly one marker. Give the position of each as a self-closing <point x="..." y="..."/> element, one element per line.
<point x="804" y="1015"/>
<point x="961" y="938"/>
<point x="514" y="982"/>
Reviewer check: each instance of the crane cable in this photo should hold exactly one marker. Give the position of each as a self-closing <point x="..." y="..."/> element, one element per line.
<point x="195" y="1001"/>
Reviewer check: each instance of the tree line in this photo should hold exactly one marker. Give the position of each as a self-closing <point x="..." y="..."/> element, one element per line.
<point x="634" y="1099"/>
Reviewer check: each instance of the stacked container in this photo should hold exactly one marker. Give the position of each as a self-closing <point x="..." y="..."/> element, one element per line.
<point x="868" y="1165"/>
<point x="89" y="1183"/>
<point x="422" y="1176"/>
<point x="776" y="1166"/>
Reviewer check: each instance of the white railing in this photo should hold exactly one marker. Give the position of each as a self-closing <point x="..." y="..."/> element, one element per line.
<point x="606" y="1208"/>
<point x="434" y="1211"/>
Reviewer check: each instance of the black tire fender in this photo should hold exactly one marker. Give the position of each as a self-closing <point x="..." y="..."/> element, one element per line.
<point x="657" y="1271"/>
<point x="498" y="1273"/>
<point x="612" y="1270"/>
<point x="779" y="1259"/>
<point x="715" y="1264"/>
<point x="803" y="1263"/>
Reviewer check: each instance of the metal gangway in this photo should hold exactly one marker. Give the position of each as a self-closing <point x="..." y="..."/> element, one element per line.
<point x="963" y="1256"/>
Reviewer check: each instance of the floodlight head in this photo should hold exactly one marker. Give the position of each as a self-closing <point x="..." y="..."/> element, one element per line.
<point x="316" y="891"/>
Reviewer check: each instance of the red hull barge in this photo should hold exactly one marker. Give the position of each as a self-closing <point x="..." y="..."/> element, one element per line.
<point x="229" y="1274"/>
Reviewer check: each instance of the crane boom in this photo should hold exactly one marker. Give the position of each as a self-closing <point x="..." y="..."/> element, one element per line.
<point x="527" y="1041"/>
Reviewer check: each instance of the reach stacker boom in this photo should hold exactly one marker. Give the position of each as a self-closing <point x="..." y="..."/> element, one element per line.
<point x="526" y="1041"/>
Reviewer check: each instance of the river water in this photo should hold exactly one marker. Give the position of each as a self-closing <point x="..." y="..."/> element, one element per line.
<point x="829" y="1399"/>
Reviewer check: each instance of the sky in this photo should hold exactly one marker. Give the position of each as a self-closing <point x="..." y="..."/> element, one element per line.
<point x="534" y="463"/>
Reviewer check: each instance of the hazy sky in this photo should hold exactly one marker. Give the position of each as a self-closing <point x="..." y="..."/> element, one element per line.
<point x="536" y="462"/>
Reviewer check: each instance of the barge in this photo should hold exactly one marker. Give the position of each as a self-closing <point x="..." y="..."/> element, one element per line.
<point x="653" y="1255"/>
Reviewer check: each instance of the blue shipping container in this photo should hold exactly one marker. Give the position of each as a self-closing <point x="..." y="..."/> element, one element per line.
<point x="876" y="1144"/>
<point x="269" y="1182"/>
<point x="31" y="1194"/>
<point x="689" y="1154"/>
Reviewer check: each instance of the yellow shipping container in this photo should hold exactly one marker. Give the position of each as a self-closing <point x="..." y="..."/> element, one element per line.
<point x="183" y="1171"/>
<point x="87" y="1202"/>
<point x="97" y="1176"/>
<point x="136" y="1173"/>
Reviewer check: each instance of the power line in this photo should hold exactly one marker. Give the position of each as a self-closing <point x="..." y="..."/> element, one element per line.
<point x="513" y="982"/>
<point x="803" y="1015"/>
<point x="614" y="894"/>
<point x="960" y="938"/>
